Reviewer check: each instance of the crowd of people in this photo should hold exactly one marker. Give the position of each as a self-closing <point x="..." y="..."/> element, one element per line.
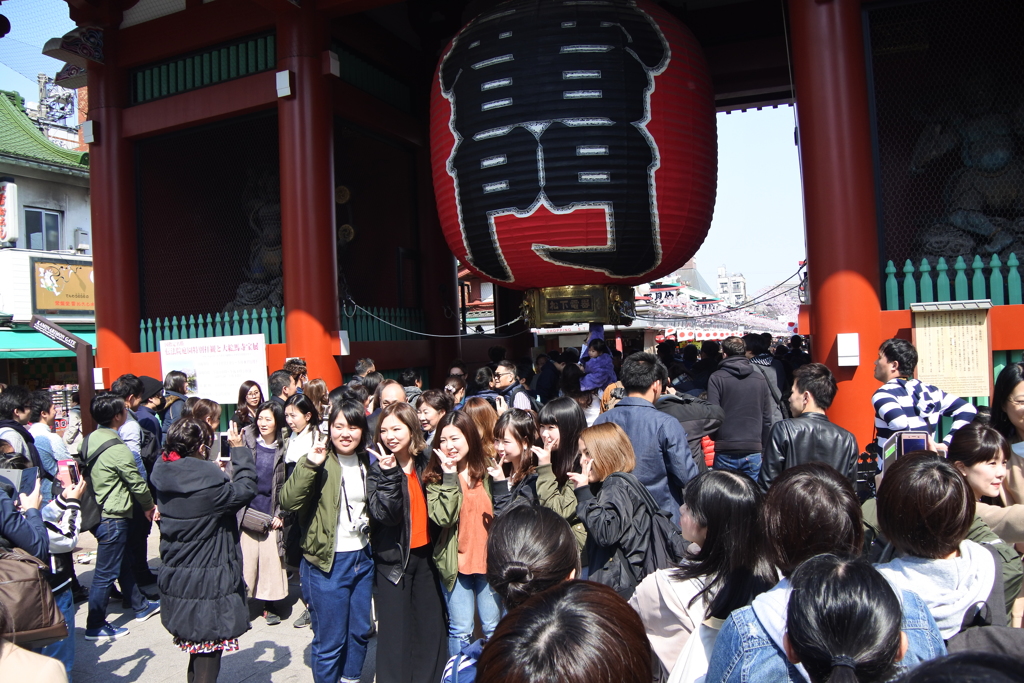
<point x="585" y="516"/>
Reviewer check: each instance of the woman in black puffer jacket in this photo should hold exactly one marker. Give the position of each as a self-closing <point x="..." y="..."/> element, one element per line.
<point x="202" y="594"/>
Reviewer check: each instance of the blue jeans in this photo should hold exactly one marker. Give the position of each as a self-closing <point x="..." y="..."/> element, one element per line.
<point x="470" y="593"/>
<point x="749" y="465"/>
<point x="339" y="612"/>
<point x="64" y="650"/>
<point x="111" y="563"/>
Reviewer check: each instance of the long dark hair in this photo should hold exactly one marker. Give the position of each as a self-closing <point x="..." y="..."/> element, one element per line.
<point x="529" y="549"/>
<point x="570" y="385"/>
<point x="977" y="442"/>
<point x="475" y="461"/>
<point x="523" y="425"/>
<point x="1009" y="378"/>
<point x="566" y="414"/>
<point x="731" y="559"/>
<point x="843" y="620"/>
<point x="243" y="393"/>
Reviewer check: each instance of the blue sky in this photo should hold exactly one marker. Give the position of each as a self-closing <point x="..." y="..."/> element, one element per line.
<point x="33" y="22"/>
<point x="758" y="227"/>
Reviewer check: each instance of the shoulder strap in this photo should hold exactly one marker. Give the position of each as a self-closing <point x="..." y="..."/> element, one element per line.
<point x="91" y="458"/>
<point x="645" y="496"/>
<point x="772" y="386"/>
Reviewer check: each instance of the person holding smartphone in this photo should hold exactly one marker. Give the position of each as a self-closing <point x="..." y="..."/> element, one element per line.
<point x="460" y="492"/>
<point x="328" y="491"/>
<point x="201" y="590"/>
<point x="410" y="610"/>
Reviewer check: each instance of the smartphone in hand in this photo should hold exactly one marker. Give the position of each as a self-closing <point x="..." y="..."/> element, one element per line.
<point x="67" y="473"/>
<point x="225" y="449"/>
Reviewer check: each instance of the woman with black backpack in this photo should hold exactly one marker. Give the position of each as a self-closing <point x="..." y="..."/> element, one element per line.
<point x="613" y="505"/>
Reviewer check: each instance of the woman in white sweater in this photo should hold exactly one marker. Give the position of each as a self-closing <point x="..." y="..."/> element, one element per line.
<point x="725" y="569"/>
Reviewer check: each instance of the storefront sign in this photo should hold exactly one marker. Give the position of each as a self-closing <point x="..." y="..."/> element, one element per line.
<point x="953" y="348"/>
<point x="217" y="366"/>
<point x="62" y="287"/>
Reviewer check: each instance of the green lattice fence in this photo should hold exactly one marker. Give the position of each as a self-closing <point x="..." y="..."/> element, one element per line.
<point x="984" y="278"/>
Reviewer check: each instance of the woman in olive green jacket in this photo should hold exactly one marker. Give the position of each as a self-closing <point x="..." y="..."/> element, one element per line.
<point x="461" y="496"/>
<point x="328" y="491"/>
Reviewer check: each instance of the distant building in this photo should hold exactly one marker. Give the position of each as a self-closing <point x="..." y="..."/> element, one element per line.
<point x="732" y="288"/>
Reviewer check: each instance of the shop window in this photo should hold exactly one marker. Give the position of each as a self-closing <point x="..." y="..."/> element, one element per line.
<point x="42" y="230"/>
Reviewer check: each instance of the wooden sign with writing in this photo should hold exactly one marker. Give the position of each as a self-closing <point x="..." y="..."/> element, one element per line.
<point x="953" y="347"/>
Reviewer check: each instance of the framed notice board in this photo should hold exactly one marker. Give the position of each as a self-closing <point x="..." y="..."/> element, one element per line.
<point x="954" y="346"/>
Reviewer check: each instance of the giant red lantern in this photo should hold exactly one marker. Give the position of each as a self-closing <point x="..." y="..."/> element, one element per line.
<point x="573" y="143"/>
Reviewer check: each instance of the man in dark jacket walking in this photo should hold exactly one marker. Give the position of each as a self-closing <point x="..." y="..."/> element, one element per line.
<point x="744" y="395"/>
<point x="663" y="462"/>
<point x="809" y="436"/>
<point x="698" y="417"/>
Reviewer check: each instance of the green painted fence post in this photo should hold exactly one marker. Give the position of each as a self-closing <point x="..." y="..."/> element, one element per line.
<point x="175" y="334"/>
<point x="150" y="343"/>
<point x="265" y="326"/>
<point x="218" y="328"/>
<point x="275" y="330"/>
<point x="1013" y="288"/>
<point x="995" y="289"/>
<point x="978" y="280"/>
<point x="999" y="361"/>
<point x="192" y="334"/>
<point x="161" y="332"/>
<point x="960" y="284"/>
<point x="892" y="290"/>
<point x="236" y="329"/>
<point x="245" y="322"/>
<point x="927" y="291"/>
<point x="209" y="325"/>
<point x="142" y="337"/>
<point x="942" y="284"/>
<point x="909" y="286"/>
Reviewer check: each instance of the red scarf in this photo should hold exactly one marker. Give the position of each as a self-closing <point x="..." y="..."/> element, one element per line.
<point x="171" y="457"/>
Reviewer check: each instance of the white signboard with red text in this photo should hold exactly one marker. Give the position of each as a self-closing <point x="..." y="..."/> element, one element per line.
<point x="217" y="366"/>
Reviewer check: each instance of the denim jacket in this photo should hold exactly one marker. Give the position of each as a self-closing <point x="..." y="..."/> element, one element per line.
<point x="745" y="652"/>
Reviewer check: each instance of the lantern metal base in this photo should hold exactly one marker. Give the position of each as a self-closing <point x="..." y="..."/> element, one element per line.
<point x="572" y="304"/>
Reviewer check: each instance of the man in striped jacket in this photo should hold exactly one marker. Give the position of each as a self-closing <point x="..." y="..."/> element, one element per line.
<point x="903" y="403"/>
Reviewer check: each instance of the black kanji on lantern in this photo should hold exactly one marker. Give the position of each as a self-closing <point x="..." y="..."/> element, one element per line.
<point x="549" y="105"/>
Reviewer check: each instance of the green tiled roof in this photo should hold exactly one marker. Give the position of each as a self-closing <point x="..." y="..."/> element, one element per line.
<point x="20" y="138"/>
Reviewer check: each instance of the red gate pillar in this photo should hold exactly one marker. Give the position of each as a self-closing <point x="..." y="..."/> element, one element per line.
<point x="839" y="196"/>
<point x="115" y="242"/>
<point x="306" y="138"/>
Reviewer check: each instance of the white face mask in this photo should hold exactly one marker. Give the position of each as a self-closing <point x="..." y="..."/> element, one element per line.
<point x="1018" y="448"/>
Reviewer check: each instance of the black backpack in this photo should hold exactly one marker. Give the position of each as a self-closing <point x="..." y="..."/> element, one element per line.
<point x="666" y="547"/>
<point x="149" y="449"/>
<point x="535" y="404"/>
<point x="91" y="510"/>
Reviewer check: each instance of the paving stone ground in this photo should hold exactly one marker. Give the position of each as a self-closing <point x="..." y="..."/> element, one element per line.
<point x="279" y="654"/>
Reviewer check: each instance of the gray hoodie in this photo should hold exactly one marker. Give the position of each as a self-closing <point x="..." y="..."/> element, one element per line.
<point x="948" y="587"/>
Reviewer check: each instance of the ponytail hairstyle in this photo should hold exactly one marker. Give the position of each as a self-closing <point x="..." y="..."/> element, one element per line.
<point x="566" y="414"/>
<point x="186" y="437"/>
<point x="843" y="621"/>
<point x="523" y="425"/>
<point x="529" y="549"/>
<point x="732" y="560"/>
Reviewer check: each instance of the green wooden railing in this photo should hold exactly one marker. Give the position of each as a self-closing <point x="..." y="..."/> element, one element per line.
<point x="224" y="62"/>
<point x="365" y="76"/>
<point x="360" y="326"/>
<point x="270" y="323"/>
<point x="988" y="280"/>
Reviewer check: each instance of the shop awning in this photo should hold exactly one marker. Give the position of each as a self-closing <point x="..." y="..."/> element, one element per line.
<point x="32" y="344"/>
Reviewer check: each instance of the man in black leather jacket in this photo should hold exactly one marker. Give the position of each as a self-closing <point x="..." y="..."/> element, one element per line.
<point x="809" y="436"/>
